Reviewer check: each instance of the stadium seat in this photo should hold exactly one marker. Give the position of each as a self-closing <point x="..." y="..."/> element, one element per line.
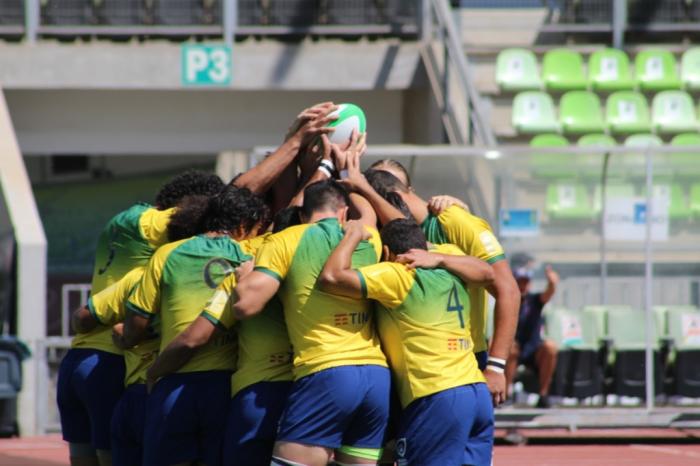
<point x="634" y="163"/>
<point x="562" y="70"/>
<point x="533" y="112"/>
<point x="516" y="70"/>
<point x="690" y="69"/>
<point x="599" y="317"/>
<point x="615" y="189"/>
<point x="627" y="112"/>
<point x="684" y="328"/>
<point x="627" y="332"/>
<point x="578" y="373"/>
<point x="685" y="164"/>
<point x="580" y="113"/>
<point x="656" y="70"/>
<point x="678" y="208"/>
<point x="590" y="164"/>
<point x="568" y="201"/>
<point x="673" y="112"/>
<point x="609" y="70"/>
<point x="552" y="165"/>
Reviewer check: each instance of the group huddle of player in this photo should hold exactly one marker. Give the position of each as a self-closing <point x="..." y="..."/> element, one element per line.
<point x="304" y="314"/>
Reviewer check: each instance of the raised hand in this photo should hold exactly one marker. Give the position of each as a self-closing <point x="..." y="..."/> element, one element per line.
<point x="552" y="275"/>
<point x="438" y="204"/>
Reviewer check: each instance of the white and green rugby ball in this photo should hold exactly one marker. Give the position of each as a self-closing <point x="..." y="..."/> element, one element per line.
<point x="350" y="117"/>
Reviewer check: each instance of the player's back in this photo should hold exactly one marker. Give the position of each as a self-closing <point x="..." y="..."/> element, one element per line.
<point x="179" y="281"/>
<point x="325" y="330"/>
<point x="127" y="241"/>
<point x="423" y="322"/>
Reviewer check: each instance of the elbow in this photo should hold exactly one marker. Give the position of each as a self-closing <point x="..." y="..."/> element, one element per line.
<point x="489" y="277"/>
<point x="82" y="321"/>
<point x="243" y="310"/>
<point x="327" y="280"/>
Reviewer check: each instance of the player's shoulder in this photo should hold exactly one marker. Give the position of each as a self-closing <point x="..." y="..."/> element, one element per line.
<point x="163" y="252"/>
<point x="465" y="218"/>
<point x="447" y="248"/>
<point x="250" y="246"/>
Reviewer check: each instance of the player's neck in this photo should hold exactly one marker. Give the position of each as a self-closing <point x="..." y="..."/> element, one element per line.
<point x="418" y="208"/>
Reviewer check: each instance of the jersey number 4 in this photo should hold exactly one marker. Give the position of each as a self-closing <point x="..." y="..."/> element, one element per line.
<point x="454" y="305"/>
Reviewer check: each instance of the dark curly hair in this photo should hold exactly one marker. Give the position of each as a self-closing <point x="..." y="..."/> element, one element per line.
<point x="285" y="218"/>
<point x="189" y="183"/>
<point x="388" y="186"/>
<point x="188" y="218"/>
<point x="234" y="207"/>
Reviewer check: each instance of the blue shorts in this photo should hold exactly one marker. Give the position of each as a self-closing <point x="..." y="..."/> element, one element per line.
<point x="482" y="358"/>
<point x="90" y="383"/>
<point x="341" y="406"/>
<point x="253" y="418"/>
<point x="185" y="418"/>
<point x="451" y="427"/>
<point x="127" y="426"/>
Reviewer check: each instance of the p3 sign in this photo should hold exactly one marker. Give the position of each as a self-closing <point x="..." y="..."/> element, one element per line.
<point x="206" y="65"/>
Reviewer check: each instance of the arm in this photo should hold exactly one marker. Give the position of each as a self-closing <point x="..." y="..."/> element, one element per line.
<point x="470" y="270"/>
<point x="181" y="349"/>
<point x="317" y="175"/>
<point x="362" y="210"/>
<point x="135" y="330"/>
<point x="552" y="282"/>
<point x="254" y="290"/>
<point x="337" y="276"/>
<point x="437" y="204"/>
<point x="82" y="320"/>
<point x="309" y="124"/>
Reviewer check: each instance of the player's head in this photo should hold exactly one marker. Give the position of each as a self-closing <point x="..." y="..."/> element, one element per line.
<point x="522" y="265"/>
<point x="236" y="211"/>
<point x="390" y="188"/>
<point x="395" y="168"/>
<point x="285" y="218"/>
<point x="189" y="183"/>
<point x="325" y="199"/>
<point x="400" y="236"/>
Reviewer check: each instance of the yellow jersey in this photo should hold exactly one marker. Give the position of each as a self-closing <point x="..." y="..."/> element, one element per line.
<point x="179" y="281"/>
<point x="423" y="322"/>
<point x="325" y="330"/>
<point x="473" y="235"/>
<point x="128" y="241"/>
<point x="108" y="308"/>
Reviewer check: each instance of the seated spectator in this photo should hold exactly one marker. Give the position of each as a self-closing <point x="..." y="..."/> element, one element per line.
<point x="529" y="347"/>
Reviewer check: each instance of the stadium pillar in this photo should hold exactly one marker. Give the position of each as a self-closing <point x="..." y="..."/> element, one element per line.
<point x="231" y="163"/>
<point x="31" y="268"/>
<point x="649" y="282"/>
<point x="619" y="22"/>
<point x="230" y="20"/>
<point x="31" y="19"/>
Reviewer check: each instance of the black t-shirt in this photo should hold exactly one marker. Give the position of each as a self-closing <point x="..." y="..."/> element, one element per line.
<point x="530" y="319"/>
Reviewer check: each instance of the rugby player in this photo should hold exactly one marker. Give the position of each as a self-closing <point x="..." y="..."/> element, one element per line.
<point x="338" y="403"/>
<point x="474" y="237"/>
<point x="184" y="421"/>
<point x="91" y="375"/>
<point x="422" y="319"/>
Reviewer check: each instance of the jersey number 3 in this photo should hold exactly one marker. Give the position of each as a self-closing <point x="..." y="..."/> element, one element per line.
<point x="454" y="305"/>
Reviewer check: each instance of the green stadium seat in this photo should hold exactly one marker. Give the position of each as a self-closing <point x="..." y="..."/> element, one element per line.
<point x="695" y="200"/>
<point x="685" y="164"/>
<point x="627" y="112"/>
<point x="673" y="112"/>
<point x="627" y="332"/>
<point x="516" y="70"/>
<point x="690" y="69"/>
<point x="684" y="329"/>
<point x="609" y="70"/>
<point x="656" y="70"/>
<point x="591" y="164"/>
<point x="635" y="163"/>
<point x="533" y="112"/>
<point x="599" y="316"/>
<point x="562" y="70"/>
<point x="660" y="315"/>
<point x="678" y="208"/>
<point x="552" y="165"/>
<point x="580" y="113"/>
<point x="568" y="201"/>
<point x="578" y="372"/>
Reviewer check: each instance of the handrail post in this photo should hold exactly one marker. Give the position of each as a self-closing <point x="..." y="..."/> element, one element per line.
<point x="31" y="20"/>
<point x="230" y="20"/>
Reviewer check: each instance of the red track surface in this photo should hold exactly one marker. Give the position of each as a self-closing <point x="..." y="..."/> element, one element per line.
<point x="51" y="451"/>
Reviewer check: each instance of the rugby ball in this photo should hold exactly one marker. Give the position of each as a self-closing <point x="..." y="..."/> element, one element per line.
<point x="350" y="117"/>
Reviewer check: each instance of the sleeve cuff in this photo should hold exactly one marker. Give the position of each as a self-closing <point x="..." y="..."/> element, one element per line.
<point x="363" y="283"/>
<point x="216" y="322"/>
<point x="138" y="311"/>
<point x="91" y="309"/>
<point x="269" y="272"/>
<point x="495" y="259"/>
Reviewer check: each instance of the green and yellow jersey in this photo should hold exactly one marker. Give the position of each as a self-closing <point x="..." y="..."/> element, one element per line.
<point x="128" y="241"/>
<point x="423" y="323"/>
<point x="325" y="330"/>
<point x="179" y="281"/>
<point x="264" y="350"/>
<point x="108" y="308"/>
<point x="473" y="235"/>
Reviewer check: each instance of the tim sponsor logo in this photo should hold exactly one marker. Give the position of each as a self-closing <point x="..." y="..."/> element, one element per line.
<point x="351" y="318"/>
<point x="458" y="344"/>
